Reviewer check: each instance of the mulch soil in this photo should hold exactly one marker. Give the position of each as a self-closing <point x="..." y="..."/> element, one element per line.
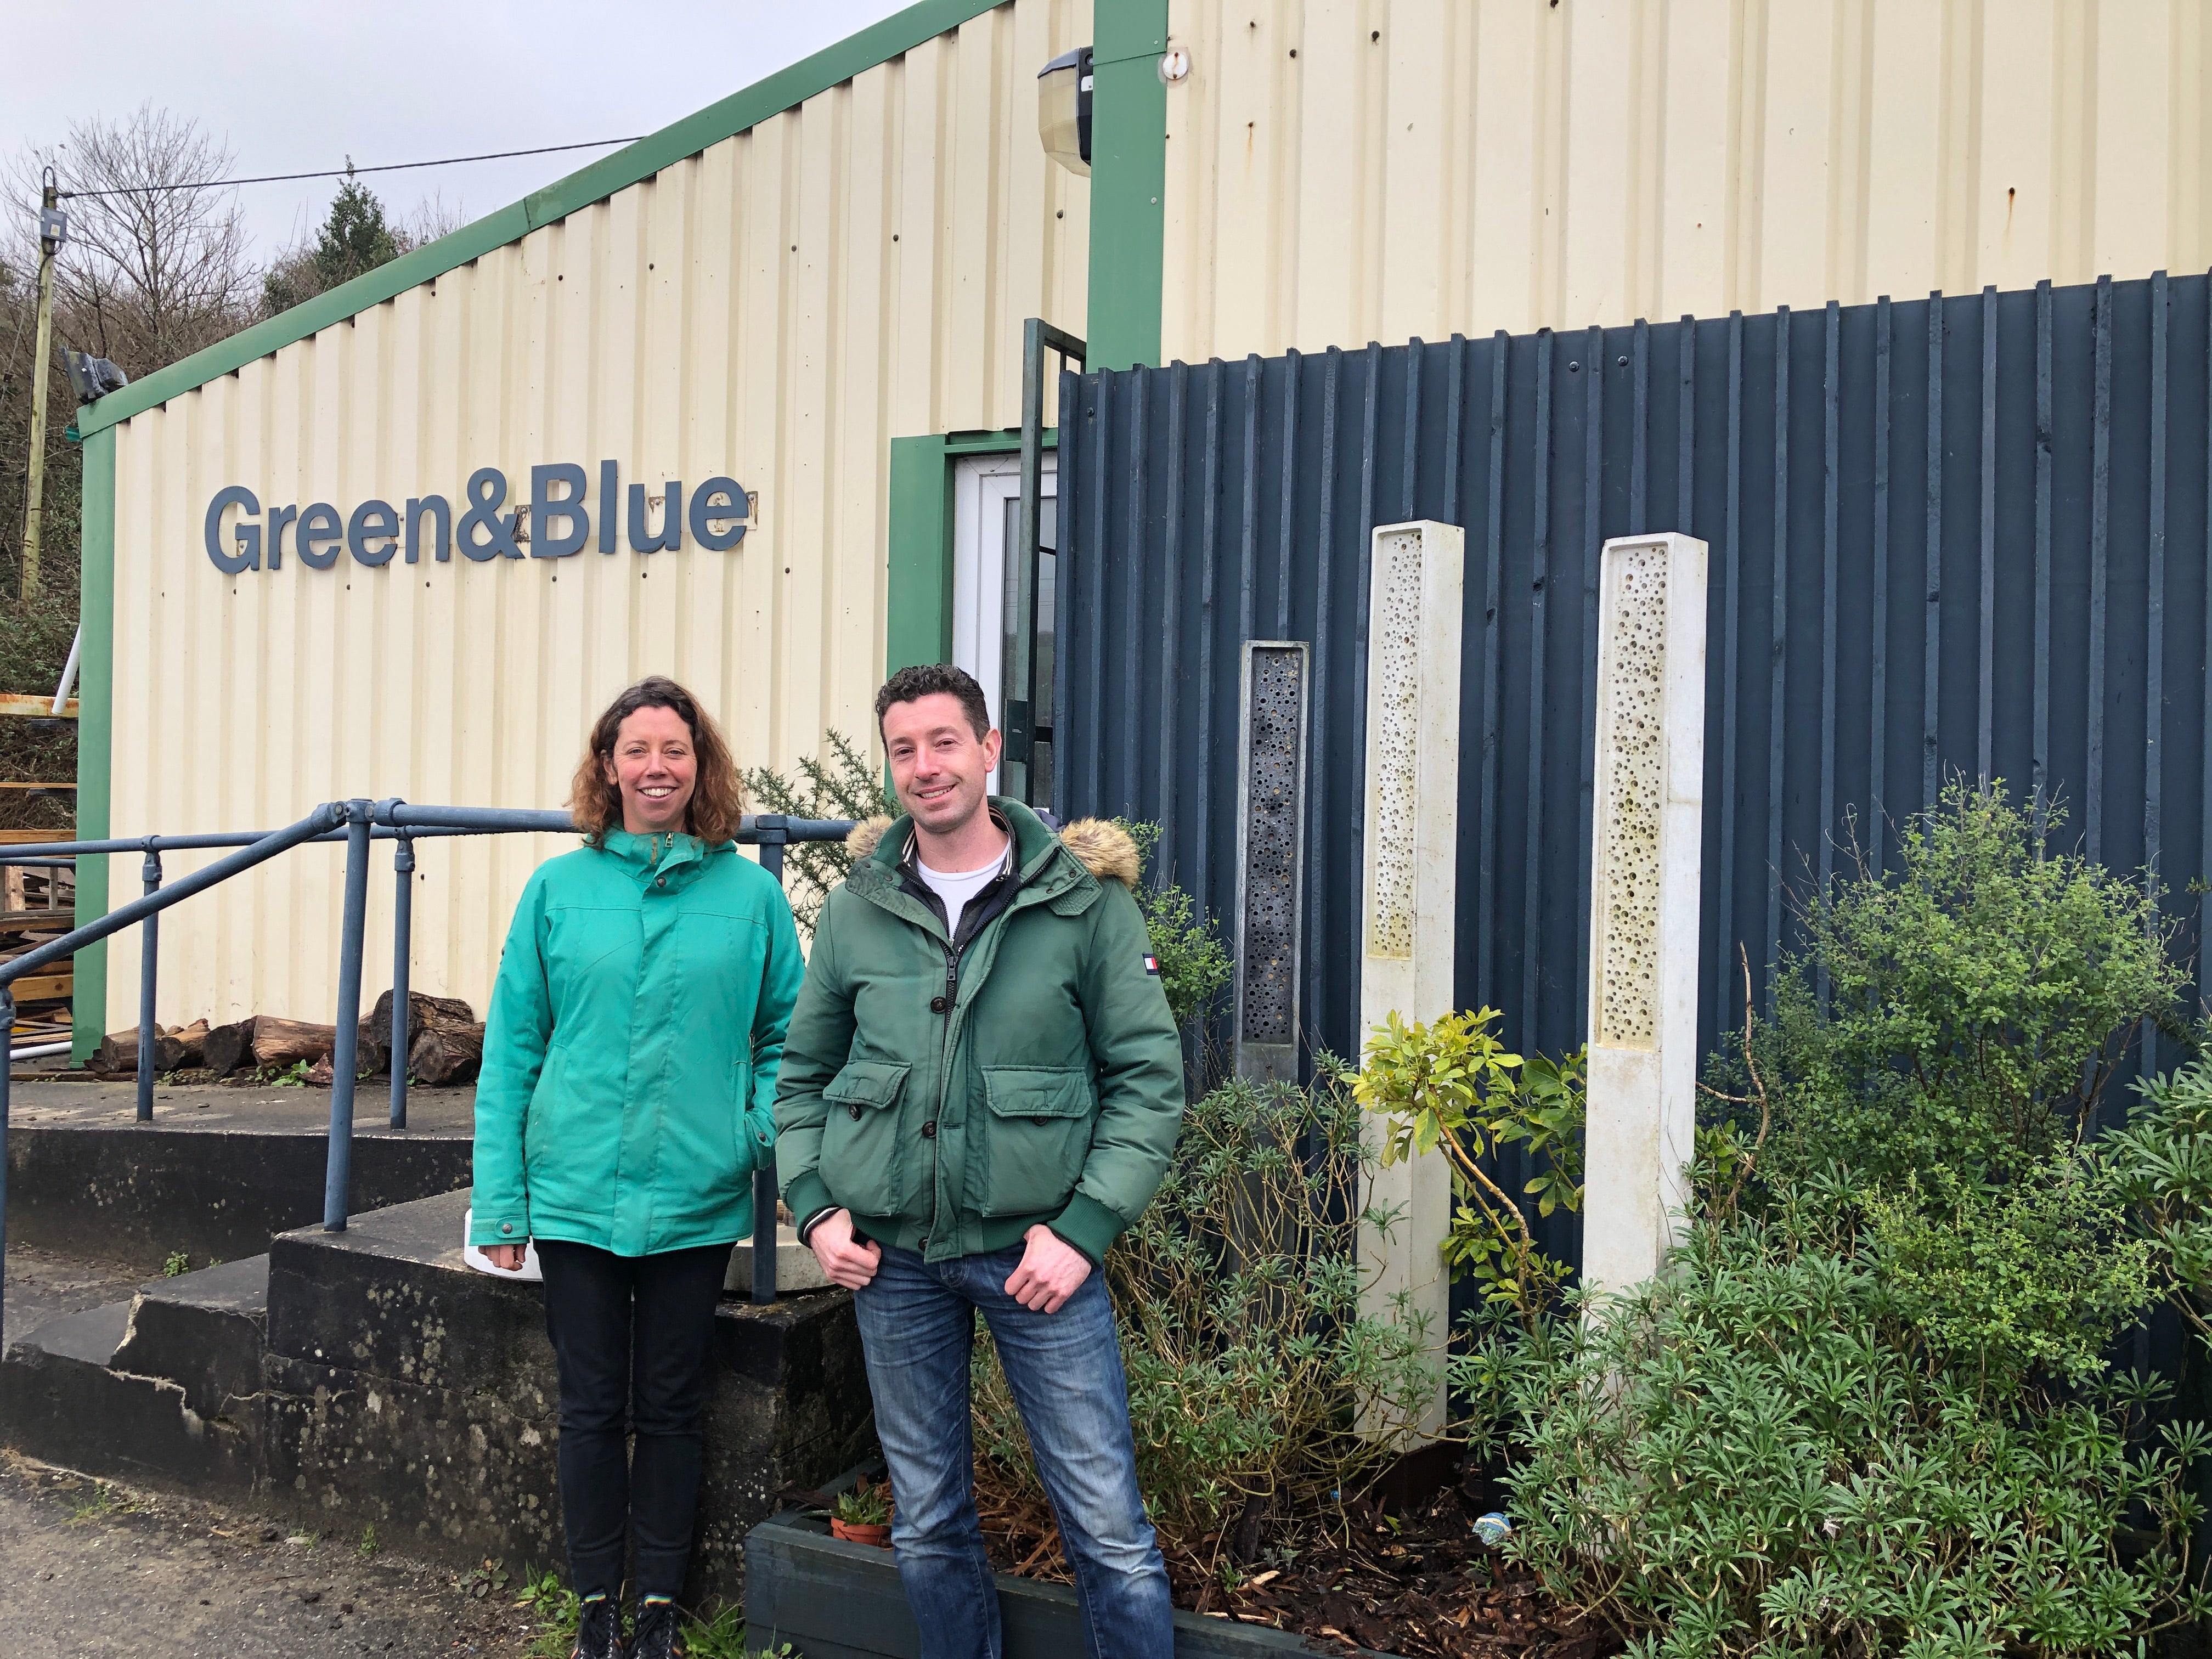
<point x="1418" y="1582"/>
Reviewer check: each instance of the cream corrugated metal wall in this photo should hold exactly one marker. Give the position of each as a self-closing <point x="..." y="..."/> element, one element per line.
<point x="1346" y="170"/>
<point x="777" y="308"/>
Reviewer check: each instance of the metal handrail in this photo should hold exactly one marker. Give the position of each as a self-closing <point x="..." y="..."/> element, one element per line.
<point x="356" y="822"/>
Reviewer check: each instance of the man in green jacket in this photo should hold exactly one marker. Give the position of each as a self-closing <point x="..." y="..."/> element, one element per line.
<point x="982" y="1088"/>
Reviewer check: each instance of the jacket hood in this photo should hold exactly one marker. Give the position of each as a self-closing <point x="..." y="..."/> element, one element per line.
<point x="1100" y="846"/>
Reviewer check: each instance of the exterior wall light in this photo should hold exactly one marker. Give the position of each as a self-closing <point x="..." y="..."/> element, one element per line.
<point x="1064" y="110"/>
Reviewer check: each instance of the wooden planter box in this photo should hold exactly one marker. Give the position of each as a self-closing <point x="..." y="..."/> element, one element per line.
<point x="832" y="1600"/>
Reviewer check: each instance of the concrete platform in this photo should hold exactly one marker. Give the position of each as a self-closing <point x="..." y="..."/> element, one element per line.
<point x="218" y="1172"/>
<point x="409" y="1391"/>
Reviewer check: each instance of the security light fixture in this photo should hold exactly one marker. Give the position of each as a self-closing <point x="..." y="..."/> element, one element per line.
<point x="1064" y="110"/>
<point x="93" y="378"/>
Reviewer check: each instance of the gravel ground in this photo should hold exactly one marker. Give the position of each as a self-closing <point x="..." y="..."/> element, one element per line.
<point x="93" y="1568"/>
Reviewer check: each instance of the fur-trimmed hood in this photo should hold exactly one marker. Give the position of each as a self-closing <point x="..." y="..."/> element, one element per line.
<point x="1101" y="846"/>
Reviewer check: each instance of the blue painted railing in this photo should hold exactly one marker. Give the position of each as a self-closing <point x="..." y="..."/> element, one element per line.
<point x="356" y="822"/>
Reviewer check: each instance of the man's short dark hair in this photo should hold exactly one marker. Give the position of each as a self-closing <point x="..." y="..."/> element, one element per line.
<point x="927" y="680"/>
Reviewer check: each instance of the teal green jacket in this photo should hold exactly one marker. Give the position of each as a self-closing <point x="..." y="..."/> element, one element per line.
<point x="953" y="1099"/>
<point x="630" y="1052"/>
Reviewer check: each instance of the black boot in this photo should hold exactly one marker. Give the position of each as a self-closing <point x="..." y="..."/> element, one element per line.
<point x="656" y="1632"/>
<point x="598" y="1630"/>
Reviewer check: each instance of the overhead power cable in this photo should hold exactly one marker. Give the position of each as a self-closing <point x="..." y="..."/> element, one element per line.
<point x="349" y="170"/>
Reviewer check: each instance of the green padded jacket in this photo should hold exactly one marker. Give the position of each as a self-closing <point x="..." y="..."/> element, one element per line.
<point x="630" y="1050"/>
<point x="952" y="1094"/>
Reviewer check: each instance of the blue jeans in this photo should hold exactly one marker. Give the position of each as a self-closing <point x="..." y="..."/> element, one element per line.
<point x="918" y="1328"/>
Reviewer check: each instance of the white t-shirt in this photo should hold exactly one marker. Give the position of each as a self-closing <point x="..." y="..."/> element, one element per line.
<point x="954" y="891"/>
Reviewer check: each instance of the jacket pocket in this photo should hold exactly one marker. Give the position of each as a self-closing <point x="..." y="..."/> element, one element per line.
<point x="1039" y="1133"/>
<point x="860" y="1138"/>
<point x="541" y="1118"/>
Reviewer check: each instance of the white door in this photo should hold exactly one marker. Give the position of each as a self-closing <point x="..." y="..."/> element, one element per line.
<point x="986" y="503"/>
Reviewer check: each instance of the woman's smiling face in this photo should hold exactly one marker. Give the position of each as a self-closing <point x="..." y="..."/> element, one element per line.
<point x="654" y="768"/>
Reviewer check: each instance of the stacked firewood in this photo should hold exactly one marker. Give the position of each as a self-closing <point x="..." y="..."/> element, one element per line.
<point x="445" y="1046"/>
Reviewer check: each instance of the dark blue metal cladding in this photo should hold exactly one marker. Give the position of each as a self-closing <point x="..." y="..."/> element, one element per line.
<point x="1960" y="536"/>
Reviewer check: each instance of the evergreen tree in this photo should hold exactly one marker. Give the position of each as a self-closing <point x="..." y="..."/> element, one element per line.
<point x="354" y="237"/>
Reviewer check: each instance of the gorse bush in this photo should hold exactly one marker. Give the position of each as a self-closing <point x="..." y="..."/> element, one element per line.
<point x="1758" y="1453"/>
<point x="1256" y="1381"/>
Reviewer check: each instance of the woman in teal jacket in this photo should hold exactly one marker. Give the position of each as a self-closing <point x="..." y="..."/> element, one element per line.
<point x="627" y="1096"/>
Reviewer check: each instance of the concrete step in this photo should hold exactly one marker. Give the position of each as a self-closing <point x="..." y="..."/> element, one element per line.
<point x="204" y="1331"/>
<point x="370" y="1378"/>
<point x="796" y="1269"/>
<point x="219" y="1171"/>
<point x="64" y="1397"/>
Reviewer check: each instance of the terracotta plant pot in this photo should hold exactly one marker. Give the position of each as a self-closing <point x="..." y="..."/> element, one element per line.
<point x="857" y="1533"/>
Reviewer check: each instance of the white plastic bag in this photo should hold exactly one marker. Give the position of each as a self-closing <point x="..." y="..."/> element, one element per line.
<point x="477" y="1258"/>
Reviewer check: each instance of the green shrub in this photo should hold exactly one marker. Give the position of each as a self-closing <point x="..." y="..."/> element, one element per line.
<point x="1249" y="1359"/>
<point x="1977" y="1002"/>
<point x="1193" y="962"/>
<point x="1760" y="1452"/>
<point x="2162" y="1161"/>
<point x="1450" y="1084"/>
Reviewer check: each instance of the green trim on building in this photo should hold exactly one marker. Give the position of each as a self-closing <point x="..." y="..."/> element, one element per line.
<point x="918" y="603"/>
<point x="857" y="53"/>
<point x="96" y="729"/>
<point x="1128" y="179"/>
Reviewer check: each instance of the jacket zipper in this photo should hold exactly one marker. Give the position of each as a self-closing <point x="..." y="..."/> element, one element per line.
<point x="944" y="1074"/>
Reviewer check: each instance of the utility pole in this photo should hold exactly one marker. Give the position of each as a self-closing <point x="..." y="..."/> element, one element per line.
<point x="53" y="226"/>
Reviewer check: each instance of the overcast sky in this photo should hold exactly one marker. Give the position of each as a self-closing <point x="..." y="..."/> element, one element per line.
<point x="295" y="86"/>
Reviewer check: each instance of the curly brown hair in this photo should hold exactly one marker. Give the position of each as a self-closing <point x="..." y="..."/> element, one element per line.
<point x="718" y="799"/>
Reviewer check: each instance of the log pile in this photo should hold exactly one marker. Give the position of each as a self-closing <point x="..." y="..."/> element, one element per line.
<point x="445" y="1046"/>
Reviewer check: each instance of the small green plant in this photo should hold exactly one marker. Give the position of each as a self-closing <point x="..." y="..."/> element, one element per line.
<point x="294" y="1076"/>
<point x="1452" y="1086"/>
<point x="177" y="1265"/>
<point x="95" y="1506"/>
<point x="865" y="1504"/>
<point x="369" y="1546"/>
<point x="723" y="1637"/>
<point x="555" y="1607"/>
<point x="2163" y="1162"/>
<point x="846" y="784"/>
<point x="1195" y="965"/>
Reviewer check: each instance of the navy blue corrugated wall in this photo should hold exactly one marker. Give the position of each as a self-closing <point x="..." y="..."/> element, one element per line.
<point x="1954" y="535"/>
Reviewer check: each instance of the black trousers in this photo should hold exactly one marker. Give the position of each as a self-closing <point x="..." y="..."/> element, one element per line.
<point x="632" y="1341"/>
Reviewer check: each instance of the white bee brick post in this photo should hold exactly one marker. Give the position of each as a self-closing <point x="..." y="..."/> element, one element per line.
<point x="1647" y="830"/>
<point x="1411" y="879"/>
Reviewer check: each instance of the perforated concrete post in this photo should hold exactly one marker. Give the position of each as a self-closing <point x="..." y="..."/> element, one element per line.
<point x="1411" y="878"/>
<point x="1270" y="826"/>
<point x="1646" y="843"/>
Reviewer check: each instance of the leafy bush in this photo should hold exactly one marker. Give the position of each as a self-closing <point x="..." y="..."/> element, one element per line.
<point x="2162" y="1161"/>
<point x="1452" y="1085"/>
<point x="1249" y="1359"/>
<point x="1966" y="1011"/>
<point x="1760" y="1453"/>
<point x="1866" y="1408"/>
<point x="1193" y="962"/>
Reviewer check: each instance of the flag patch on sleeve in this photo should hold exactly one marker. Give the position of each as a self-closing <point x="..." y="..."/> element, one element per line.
<point x="1152" y="966"/>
